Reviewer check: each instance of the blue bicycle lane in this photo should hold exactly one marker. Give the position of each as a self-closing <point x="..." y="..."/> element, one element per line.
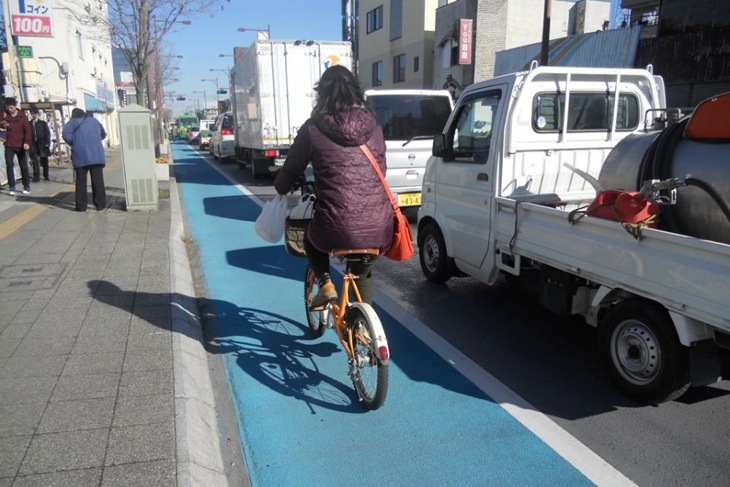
<point x="298" y="416"/>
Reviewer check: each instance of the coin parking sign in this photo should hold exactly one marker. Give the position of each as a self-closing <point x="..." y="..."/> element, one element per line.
<point x="31" y="18"/>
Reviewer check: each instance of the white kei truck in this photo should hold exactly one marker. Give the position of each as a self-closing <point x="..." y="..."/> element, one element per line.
<point x="272" y="95"/>
<point x="522" y="154"/>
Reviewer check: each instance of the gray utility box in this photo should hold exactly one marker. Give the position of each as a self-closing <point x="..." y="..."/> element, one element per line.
<point x="138" y="158"/>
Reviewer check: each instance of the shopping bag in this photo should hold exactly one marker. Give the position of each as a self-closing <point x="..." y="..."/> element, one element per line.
<point x="401" y="247"/>
<point x="270" y="223"/>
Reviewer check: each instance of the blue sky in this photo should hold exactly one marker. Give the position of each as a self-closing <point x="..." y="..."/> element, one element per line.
<point x="216" y="33"/>
<point x="207" y="36"/>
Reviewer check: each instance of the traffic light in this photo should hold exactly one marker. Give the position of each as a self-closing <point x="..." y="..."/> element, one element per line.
<point x="122" y="94"/>
<point x="180" y="98"/>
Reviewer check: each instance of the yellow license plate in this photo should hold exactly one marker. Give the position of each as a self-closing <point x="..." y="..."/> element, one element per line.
<point x="409" y="199"/>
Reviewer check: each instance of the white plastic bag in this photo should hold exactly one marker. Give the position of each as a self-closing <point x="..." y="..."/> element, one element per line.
<point x="270" y="223"/>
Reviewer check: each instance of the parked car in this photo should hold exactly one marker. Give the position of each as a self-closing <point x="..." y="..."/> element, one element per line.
<point x="222" y="143"/>
<point x="204" y="139"/>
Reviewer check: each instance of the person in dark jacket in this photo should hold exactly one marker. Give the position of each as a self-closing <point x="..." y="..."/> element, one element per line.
<point x="40" y="145"/>
<point x="17" y="143"/>
<point x="84" y="134"/>
<point x="353" y="210"/>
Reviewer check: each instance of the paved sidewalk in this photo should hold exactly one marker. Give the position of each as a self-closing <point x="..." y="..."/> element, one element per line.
<point x="103" y="378"/>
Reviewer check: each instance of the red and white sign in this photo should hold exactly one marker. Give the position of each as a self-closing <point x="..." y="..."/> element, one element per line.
<point x="465" y="40"/>
<point x="31" y="25"/>
<point x="31" y="18"/>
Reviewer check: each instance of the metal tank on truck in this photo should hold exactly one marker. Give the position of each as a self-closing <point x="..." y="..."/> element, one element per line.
<point x="695" y="154"/>
<point x="273" y="95"/>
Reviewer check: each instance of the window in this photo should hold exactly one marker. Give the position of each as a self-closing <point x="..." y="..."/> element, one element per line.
<point x="79" y="45"/>
<point x="396" y="19"/>
<point x="472" y="137"/>
<point x="587" y="112"/>
<point x="449" y="54"/>
<point x="377" y="74"/>
<point x="415" y="64"/>
<point x="399" y="68"/>
<point x="374" y="20"/>
<point x="405" y="116"/>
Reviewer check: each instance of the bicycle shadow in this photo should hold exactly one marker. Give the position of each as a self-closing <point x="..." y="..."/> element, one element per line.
<point x="278" y="353"/>
<point x="269" y="348"/>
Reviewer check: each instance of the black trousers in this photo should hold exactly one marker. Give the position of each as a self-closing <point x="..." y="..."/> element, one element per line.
<point x="10" y="154"/>
<point x="38" y="161"/>
<point x="98" y="191"/>
<point x="361" y="267"/>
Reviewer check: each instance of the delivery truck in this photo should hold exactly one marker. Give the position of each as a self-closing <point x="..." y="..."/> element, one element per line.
<point x="272" y="95"/>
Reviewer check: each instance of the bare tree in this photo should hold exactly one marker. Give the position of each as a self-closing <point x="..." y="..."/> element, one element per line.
<point x="137" y="28"/>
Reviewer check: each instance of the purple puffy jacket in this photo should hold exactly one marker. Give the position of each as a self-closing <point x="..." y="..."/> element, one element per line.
<point x="353" y="209"/>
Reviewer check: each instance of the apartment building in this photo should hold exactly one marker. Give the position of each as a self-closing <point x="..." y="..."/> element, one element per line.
<point x="56" y="63"/>
<point x="418" y="43"/>
<point x="395" y="43"/>
<point x="498" y="25"/>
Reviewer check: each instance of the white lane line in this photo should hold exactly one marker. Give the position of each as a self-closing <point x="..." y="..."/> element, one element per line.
<point x="564" y="444"/>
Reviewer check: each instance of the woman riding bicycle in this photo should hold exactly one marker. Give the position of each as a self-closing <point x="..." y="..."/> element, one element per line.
<point x="352" y="211"/>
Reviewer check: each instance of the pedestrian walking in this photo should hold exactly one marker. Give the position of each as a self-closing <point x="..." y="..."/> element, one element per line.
<point x="40" y="145"/>
<point x="17" y="144"/>
<point x="84" y="134"/>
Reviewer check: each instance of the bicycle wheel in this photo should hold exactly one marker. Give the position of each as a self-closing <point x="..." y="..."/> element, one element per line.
<point x="368" y="372"/>
<point x="316" y="319"/>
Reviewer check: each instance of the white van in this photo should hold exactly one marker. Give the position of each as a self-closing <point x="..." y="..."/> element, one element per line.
<point x="409" y="119"/>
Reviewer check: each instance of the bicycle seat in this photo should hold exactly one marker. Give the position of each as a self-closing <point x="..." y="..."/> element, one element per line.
<point x="354" y="252"/>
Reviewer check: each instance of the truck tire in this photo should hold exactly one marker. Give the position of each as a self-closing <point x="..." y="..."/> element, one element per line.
<point x="432" y="254"/>
<point x="255" y="171"/>
<point x="642" y="351"/>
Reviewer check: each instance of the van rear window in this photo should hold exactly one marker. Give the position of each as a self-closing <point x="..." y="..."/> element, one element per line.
<point x="403" y="117"/>
<point x="587" y="112"/>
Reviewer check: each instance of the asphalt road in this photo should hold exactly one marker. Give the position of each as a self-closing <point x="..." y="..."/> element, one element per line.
<point x="553" y="364"/>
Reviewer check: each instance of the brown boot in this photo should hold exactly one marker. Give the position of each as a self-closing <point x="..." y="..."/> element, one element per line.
<point x="326" y="293"/>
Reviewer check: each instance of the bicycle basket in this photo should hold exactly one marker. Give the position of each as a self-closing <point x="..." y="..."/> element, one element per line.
<point x="295" y="225"/>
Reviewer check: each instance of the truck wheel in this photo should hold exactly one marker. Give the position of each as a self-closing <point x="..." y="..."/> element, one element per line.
<point x="255" y="164"/>
<point x="642" y="351"/>
<point x="432" y="254"/>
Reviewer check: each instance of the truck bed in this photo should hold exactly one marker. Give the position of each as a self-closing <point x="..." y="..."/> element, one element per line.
<point x="691" y="275"/>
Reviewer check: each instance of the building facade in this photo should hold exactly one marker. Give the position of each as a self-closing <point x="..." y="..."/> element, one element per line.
<point x="416" y="43"/>
<point x="64" y="64"/>
<point x="502" y="24"/>
<point x="395" y="43"/>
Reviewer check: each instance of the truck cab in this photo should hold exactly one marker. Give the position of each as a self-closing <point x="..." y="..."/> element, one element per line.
<point x="518" y="136"/>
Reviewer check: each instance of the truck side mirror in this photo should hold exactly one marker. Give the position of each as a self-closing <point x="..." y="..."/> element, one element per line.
<point x="439" y="147"/>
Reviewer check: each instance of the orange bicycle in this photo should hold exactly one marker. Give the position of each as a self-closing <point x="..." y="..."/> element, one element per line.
<point x="358" y="328"/>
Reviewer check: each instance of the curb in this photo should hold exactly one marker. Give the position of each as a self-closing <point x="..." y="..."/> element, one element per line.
<point x="199" y="458"/>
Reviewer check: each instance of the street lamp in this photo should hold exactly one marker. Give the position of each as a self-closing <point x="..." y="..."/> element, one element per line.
<point x="217" y="101"/>
<point x="205" y="100"/>
<point x="226" y="55"/>
<point x="266" y="31"/>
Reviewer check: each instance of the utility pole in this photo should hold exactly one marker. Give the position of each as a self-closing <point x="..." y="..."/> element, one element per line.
<point x="545" y="47"/>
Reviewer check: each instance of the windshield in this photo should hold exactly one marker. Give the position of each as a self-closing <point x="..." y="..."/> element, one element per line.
<point x="403" y="117"/>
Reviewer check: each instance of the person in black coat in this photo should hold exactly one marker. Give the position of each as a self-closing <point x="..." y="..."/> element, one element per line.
<point x="40" y="145"/>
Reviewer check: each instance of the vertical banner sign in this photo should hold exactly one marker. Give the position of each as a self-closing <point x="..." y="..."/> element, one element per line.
<point x="30" y="18"/>
<point x="465" y="40"/>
